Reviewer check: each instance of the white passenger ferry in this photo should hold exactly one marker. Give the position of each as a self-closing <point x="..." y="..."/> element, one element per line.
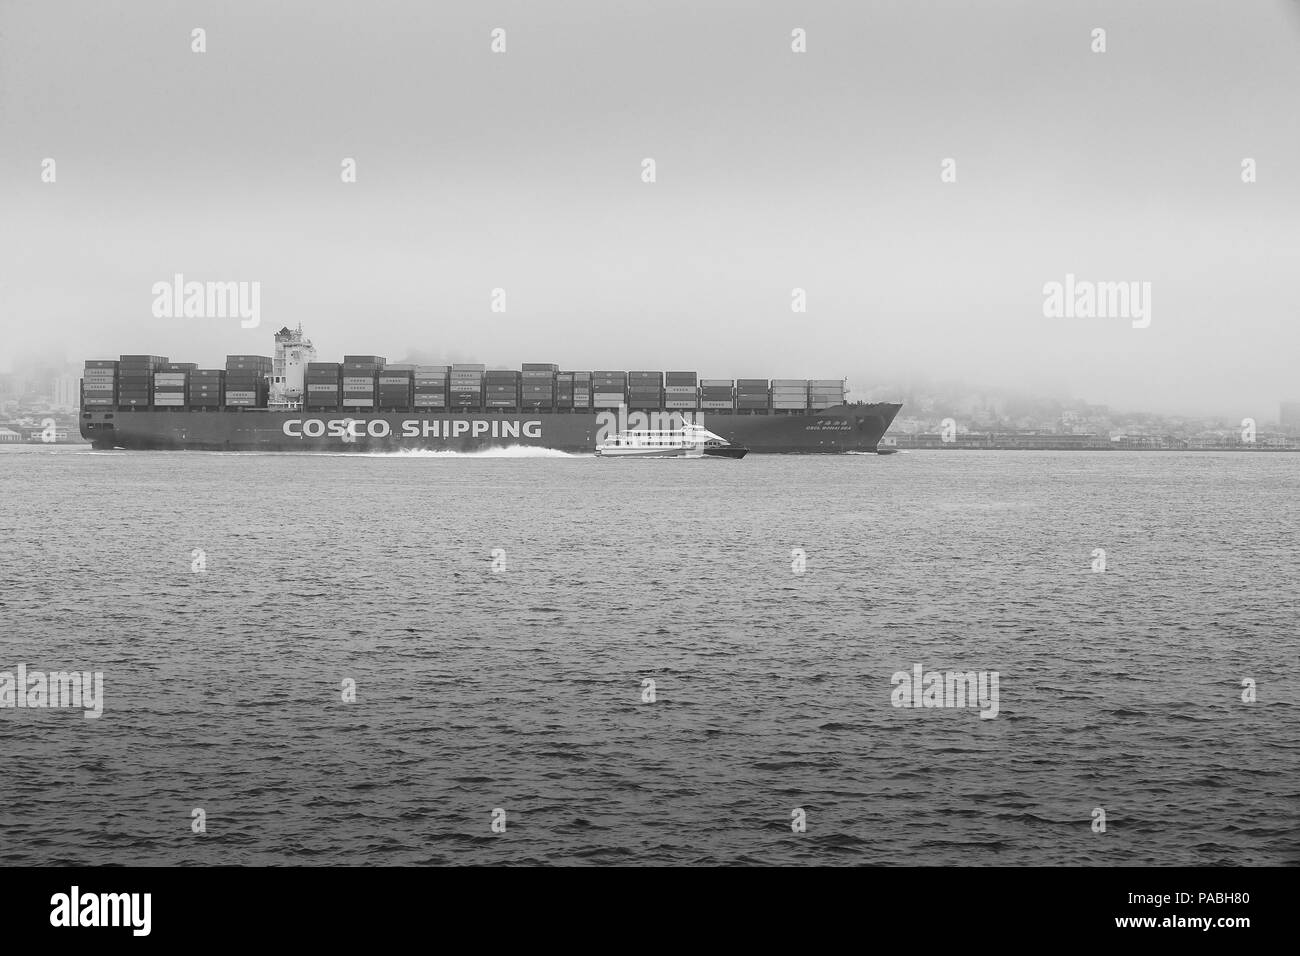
<point x="689" y="441"/>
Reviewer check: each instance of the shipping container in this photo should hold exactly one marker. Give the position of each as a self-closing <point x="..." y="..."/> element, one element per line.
<point x="716" y="383"/>
<point x="364" y="359"/>
<point x="101" y="363"/>
<point x="707" y="403"/>
<point x="680" y="378"/>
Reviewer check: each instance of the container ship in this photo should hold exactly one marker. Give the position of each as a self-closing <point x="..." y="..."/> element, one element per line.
<point x="291" y="402"/>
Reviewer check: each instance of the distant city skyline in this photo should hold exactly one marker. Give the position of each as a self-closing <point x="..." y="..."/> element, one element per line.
<point x="44" y="369"/>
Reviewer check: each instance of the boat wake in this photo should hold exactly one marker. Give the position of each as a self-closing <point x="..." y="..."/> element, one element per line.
<point x="509" y="451"/>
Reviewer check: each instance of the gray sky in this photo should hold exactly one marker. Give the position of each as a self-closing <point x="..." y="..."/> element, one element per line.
<point x="775" y="170"/>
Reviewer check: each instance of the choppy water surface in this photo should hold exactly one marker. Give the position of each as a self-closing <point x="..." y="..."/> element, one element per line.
<point x="521" y="689"/>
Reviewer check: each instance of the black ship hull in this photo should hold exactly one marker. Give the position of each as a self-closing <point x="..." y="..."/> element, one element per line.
<point x="839" y="429"/>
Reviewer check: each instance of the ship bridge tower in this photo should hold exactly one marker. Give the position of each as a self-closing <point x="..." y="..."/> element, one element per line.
<point x="292" y="353"/>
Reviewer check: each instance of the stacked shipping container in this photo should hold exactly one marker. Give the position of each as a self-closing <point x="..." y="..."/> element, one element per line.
<point x="99" y="382"/>
<point x="360" y="374"/>
<point x="205" y="388"/>
<point x="135" y="378"/>
<point x="608" y="389"/>
<point x="430" y="389"/>
<point x="465" y="385"/>
<point x="323" y="381"/>
<point x="171" y="383"/>
<point x="716" y="393"/>
<point x="582" y="390"/>
<point x="248" y="381"/>
<point x="395" y="382"/>
<point x="368" y="382"/>
<point x="537" y="386"/>
<point x="645" y="389"/>
<point x="564" y="390"/>
<point x="751" y="394"/>
<point x="680" y="390"/>
<point x="501" y="388"/>
<point x="825" y="392"/>
<point x="789" y="394"/>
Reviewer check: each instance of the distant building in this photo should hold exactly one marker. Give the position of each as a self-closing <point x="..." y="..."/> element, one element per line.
<point x="66" y="394"/>
<point x="6" y="436"/>
<point x="1290" y="418"/>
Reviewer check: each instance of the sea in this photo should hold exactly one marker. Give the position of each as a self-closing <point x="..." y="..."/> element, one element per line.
<point x="526" y="657"/>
